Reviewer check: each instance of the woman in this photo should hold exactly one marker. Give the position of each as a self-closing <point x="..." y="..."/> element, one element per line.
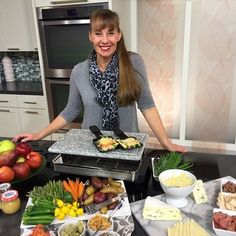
<point x="109" y="85"/>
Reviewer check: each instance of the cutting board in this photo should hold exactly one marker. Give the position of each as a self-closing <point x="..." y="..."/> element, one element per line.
<point x="80" y="142"/>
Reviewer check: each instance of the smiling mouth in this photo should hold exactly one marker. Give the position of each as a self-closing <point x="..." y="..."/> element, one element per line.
<point x="105" y="48"/>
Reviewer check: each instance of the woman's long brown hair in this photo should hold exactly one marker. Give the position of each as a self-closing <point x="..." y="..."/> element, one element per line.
<point x="128" y="87"/>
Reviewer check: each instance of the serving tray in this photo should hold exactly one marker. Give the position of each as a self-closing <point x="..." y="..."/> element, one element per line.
<point x="122" y="212"/>
<point x="80" y="142"/>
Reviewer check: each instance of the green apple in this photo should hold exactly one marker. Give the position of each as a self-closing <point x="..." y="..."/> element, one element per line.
<point x="6" y="145"/>
<point x="20" y="159"/>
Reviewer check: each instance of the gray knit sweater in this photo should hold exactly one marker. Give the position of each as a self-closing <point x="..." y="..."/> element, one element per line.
<point x="83" y="94"/>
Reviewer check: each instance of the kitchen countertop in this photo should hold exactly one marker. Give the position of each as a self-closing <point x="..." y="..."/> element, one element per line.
<point x="206" y="167"/>
<point x="22" y="87"/>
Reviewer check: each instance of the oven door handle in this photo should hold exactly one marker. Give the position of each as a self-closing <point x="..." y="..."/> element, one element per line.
<point x="56" y="81"/>
<point x="66" y="22"/>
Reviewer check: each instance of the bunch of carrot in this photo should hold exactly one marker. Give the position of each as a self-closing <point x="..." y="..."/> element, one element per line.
<point x="75" y="188"/>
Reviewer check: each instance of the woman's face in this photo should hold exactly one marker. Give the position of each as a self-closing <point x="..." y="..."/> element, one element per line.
<point x="104" y="42"/>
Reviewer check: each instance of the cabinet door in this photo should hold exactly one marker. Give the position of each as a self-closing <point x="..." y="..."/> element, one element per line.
<point x="9" y="122"/>
<point x="26" y="101"/>
<point x="33" y="120"/>
<point x="16" y="25"/>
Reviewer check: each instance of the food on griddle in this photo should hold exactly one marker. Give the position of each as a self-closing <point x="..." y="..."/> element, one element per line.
<point x="130" y="142"/>
<point x="106" y="143"/>
<point x="229" y="187"/>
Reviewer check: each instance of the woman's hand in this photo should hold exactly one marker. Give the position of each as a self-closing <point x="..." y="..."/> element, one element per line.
<point x="175" y="147"/>
<point x="26" y="137"/>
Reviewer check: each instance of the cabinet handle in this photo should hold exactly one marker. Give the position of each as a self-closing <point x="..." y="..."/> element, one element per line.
<point x="4" y="101"/>
<point x="1" y="110"/>
<point x="30" y="102"/>
<point x="32" y="112"/>
<point x="15" y="49"/>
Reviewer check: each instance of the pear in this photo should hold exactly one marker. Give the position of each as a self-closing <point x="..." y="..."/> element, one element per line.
<point x="6" y="145"/>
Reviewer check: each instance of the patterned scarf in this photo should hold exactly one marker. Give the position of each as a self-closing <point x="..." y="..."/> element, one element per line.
<point x="106" y="85"/>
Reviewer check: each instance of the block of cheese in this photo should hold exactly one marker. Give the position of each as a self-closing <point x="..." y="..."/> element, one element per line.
<point x="187" y="228"/>
<point x="158" y="210"/>
<point x="199" y="192"/>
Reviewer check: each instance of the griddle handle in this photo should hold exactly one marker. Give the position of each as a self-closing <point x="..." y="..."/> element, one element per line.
<point x="96" y="131"/>
<point x="119" y="133"/>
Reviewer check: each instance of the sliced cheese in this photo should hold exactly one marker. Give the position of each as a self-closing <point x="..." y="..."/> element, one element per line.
<point x="187" y="228"/>
<point x="199" y="192"/>
<point x="155" y="209"/>
<point x="196" y="229"/>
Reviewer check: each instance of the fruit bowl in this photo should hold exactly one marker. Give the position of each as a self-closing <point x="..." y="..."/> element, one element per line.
<point x="177" y="185"/>
<point x="33" y="172"/>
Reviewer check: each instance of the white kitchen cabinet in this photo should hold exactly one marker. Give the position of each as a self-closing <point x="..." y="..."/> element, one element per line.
<point x="17" y="29"/>
<point x="22" y="114"/>
<point x="9" y="116"/>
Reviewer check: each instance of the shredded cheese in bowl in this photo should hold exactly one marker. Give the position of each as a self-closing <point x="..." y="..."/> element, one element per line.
<point x="181" y="180"/>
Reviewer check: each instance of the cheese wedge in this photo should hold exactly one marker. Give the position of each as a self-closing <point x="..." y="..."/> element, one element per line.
<point x="199" y="192"/>
<point x="155" y="209"/>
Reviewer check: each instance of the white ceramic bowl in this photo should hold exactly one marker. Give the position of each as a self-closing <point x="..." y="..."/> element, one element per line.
<point x="108" y="233"/>
<point x="222" y="232"/>
<point x="91" y="230"/>
<point x="176" y="196"/>
<point x="67" y="224"/>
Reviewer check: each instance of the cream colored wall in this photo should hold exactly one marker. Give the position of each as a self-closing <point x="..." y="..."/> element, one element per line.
<point x="189" y="50"/>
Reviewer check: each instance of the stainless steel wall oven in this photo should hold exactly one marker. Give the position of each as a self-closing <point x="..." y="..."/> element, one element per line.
<point x="63" y="32"/>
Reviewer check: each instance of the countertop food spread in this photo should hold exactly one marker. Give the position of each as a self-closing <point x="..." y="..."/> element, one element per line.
<point x="219" y="166"/>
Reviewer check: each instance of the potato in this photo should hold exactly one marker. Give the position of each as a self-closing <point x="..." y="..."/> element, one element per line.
<point x="110" y="195"/>
<point x="112" y="182"/>
<point x="84" y="196"/>
<point x="96" y="183"/>
<point x="103" y="210"/>
<point x="90" y="190"/>
<point x="112" y="205"/>
<point x="99" y="197"/>
<point x="105" y="181"/>
<point x="109" y="190"/>
<point x="89" y="200"/>
<point x="119" y="189"/>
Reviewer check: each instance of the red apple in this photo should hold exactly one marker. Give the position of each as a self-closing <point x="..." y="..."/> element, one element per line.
<point x="21" y="170"/>
<point x="6" y="174"/>
<point x="23" y="149"/>
<point x="8" y="158"/>
<point x="34" y="160"/>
